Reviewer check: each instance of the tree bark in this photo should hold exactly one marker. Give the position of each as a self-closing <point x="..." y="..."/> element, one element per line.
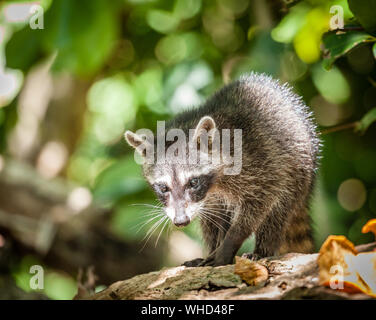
<point x="291" y="276"/>
<point x="35" y="219"/>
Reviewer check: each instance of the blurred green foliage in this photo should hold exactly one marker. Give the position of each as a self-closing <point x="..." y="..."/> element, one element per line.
<point x="147" y="60"/>
<point x="56" y="285"/>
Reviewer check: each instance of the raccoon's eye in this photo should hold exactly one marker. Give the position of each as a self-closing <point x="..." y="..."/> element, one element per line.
<point x="163" y="188"/>
<point x="194" y="183"/>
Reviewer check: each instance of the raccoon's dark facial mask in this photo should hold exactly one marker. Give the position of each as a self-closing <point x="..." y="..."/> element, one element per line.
<point x="196" y="188"/>
<point x="199" y="186"/>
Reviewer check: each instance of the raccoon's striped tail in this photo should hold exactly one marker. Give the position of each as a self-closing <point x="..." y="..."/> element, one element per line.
<point x="298" y="233"/>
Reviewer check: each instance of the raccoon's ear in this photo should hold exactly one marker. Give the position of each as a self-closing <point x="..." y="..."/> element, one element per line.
<point x="206" y="123"/>
<point x="135" y="141"/>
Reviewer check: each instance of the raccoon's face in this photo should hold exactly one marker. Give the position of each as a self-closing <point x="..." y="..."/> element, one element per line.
<point x="182" y="191"/>
<point x="181" y="188"/>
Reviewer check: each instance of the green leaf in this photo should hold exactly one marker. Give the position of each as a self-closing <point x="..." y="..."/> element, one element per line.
<point x="83" y="32"/>
<point x="374" y="50"/>
<point x="290" y="25"/>
<point x="124" y="178"/>
<point x="337" y="45"/>
<point x="24" y="49"/>
<point x="364" y="11"/>
<point x="366" y="121"/>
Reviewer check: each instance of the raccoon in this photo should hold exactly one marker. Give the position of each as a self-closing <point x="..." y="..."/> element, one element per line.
<point x="269" y="196"/>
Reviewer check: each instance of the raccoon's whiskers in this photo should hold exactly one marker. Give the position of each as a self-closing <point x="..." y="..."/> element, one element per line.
<point x="155" y="211"/>
<point x="146" y="205"/>
<point x="143" y="223"/>
<point x="160" y="232"/>
<point x="223" y="212"/>
<point x="219" y="204"/>
<point x="152" y="213"/>
<point x="209" y="218"/>
<point x="215" y="216"/>
<point x="152" y="230"/>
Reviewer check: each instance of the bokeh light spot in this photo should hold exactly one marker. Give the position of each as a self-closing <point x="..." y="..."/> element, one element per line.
<point x="114" y="106"/>
<point x="171" y="49"/>
<point x="186" y="9"/>
<point x="332" y="85"/>
<point x="326" y="113"/>
<point x="352" y="194"/>
<point x="161" y="21"/>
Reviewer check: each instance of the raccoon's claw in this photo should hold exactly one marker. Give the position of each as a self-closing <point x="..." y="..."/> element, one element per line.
<point x="199" y="262"/>
<point x="251" y="256"/>
<point x="193" y="263"/>
<point x="209" y="261"/>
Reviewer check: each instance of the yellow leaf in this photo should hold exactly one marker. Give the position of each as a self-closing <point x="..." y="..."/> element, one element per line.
<point x="370" y="226"/>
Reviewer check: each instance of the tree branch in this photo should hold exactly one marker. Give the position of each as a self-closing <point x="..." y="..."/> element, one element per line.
<point x="291" y="276"/>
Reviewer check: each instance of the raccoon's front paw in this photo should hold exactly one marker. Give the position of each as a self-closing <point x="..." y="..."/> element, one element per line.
<point x="251" y="256"/>
<point x="209" y="261"/>
<point x="214" y="262"/>
<point x="193" y="263"/>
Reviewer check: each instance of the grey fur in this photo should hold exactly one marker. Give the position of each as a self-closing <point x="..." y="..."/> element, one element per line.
<point x="280" y="158"/>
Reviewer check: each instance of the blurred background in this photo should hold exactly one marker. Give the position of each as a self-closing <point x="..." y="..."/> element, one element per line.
<point x="74" y="75"/>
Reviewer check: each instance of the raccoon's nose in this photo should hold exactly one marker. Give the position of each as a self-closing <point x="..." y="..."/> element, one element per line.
<point x="181" y="221"/>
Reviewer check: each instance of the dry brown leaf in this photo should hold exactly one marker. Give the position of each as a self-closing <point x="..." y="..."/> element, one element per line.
<point x="332" y="252"/>
<point x="250" y="271"/>
<point x="338" y="260"/>
<point x="370" y="226"/>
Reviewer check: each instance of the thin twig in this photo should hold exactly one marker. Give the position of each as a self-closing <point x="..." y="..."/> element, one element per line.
<point x="341" y="127"/>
